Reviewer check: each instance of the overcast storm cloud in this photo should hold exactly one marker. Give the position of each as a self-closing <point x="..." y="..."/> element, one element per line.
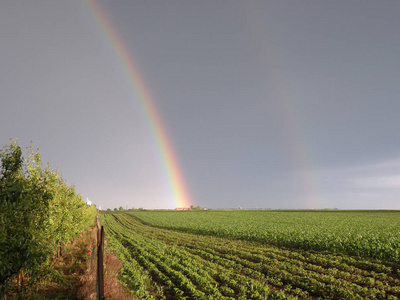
<point x="264" y="104"/>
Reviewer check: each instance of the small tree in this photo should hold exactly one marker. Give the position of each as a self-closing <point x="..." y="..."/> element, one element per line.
<point x="24" y="207"/>
<point x="38" y="211"/>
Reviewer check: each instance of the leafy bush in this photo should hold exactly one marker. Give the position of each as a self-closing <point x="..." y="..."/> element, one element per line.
<point x="38" y="211"/>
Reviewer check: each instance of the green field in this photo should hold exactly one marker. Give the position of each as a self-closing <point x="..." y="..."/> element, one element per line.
<point x="258" y="254"/>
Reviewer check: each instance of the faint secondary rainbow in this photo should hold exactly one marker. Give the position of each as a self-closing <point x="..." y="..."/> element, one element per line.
<point x="180" y="194"/>
<point x="298" y="148"/>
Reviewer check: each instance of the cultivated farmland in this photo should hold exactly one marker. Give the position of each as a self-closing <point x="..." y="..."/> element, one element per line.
<point x="258" y="254"/>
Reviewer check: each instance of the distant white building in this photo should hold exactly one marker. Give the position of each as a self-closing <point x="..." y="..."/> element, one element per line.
<point x="88" y="202"/>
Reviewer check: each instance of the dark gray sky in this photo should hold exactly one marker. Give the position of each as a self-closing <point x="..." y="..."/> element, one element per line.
<point x="268" y="104"/>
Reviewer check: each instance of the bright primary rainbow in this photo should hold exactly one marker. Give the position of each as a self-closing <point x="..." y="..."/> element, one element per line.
<point x="181" y="196"/>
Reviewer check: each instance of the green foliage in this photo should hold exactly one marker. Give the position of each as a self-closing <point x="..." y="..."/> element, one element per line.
<point x="24" y="207"/>
<point x="38" y="211"/>
<point x="374" y="234"/>
<point x="169" y="264"/>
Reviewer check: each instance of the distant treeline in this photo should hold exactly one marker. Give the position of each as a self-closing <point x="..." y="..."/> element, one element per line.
<point x="121" y="208"/>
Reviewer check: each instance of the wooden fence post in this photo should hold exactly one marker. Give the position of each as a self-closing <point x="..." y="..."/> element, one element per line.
<point x="100" y="266"/>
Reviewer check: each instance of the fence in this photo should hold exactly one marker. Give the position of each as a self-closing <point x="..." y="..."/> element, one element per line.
<point x="100" y="265"/>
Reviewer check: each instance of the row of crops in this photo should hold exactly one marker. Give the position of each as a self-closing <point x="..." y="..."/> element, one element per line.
<point x="170" y="264"/>
<point x="374" y="234"/>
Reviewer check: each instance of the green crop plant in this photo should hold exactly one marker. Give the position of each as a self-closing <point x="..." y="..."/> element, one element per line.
<point x="181" y="264"/>
<point x="374" y="234"/>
